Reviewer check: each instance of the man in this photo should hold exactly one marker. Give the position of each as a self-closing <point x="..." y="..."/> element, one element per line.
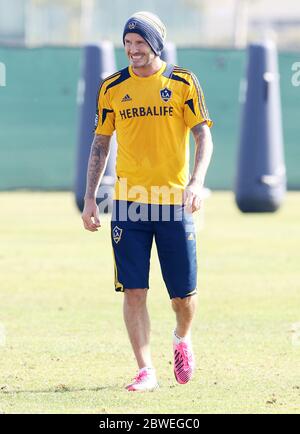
<point x="152" y="106"/>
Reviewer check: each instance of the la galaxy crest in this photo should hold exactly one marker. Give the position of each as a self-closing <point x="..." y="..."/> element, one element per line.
<point x="166" y="94"/>
<point x="117" y="234"/>
<point x="132" y="25"/>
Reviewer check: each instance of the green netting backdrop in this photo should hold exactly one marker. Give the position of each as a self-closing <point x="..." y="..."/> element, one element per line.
<point x="38" y="114"/>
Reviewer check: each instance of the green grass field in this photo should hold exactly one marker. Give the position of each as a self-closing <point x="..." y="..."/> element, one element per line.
<point x="66" y="348"/>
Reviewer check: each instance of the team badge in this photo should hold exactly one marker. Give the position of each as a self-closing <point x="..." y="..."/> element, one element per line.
<point x="132" y="25"/>
<point x="117" y="233"/>
<point x="165" y="94"/>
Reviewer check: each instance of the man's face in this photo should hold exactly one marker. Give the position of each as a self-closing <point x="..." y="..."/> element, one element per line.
<point x="138" y="51"/>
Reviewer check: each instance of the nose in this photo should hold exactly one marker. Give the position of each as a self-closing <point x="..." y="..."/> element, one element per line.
<point x="134" y="51"/>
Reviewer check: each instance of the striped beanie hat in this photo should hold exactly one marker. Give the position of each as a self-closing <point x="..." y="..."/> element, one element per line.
<point x="150" y="27"/>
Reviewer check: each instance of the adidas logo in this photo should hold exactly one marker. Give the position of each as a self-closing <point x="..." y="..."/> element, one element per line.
<point x="191" y="237"/>
<point x="126" y="98"/>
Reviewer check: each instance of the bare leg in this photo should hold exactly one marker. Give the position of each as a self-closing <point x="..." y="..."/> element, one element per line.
<point x="185" y="310"/>
<point x="137" y="322"/>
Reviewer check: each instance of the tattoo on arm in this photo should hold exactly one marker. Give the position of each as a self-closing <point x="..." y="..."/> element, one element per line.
<point x="97" y="162"/>
<point x="203" y="151"/>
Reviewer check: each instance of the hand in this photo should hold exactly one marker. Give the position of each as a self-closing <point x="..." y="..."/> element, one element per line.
<point x="90" y="216"/>
<point x="192" y="196"/>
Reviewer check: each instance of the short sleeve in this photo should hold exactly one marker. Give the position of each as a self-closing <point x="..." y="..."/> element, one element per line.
<point x="105" y="115"/>
<point x="195" y="111"/>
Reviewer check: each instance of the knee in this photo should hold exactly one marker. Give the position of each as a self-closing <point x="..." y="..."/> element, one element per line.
<point x="186" y="303"/>
<point x="135" y="297"/>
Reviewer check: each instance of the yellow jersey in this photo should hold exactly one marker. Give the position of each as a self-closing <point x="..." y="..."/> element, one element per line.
<point x="152" y="117"/>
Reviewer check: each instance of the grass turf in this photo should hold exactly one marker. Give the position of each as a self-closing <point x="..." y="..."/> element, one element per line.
<point x="66" y="348"/>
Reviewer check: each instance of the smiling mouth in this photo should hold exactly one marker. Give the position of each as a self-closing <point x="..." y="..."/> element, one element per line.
<point x="136" y="57"/>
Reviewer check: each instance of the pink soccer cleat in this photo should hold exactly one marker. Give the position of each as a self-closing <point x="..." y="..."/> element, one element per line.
<point x="184" y="362"/>
<point x="144" y="381"/>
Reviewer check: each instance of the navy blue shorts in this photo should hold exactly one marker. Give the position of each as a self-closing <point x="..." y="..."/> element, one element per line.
<point x="133" y="228"/>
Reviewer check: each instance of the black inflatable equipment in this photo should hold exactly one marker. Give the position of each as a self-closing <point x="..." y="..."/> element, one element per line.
<point x="261" y="182"/>
<point x="98" y="61"/>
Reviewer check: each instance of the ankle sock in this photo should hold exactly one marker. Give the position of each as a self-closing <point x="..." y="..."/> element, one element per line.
<point x="177" y="339"/>
<point x="147" y="368"/>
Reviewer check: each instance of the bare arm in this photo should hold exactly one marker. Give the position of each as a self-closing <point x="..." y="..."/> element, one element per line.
<point x="97" y="163"/>
<point x="96" y="166"/>
<point x="203" y="153"/>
